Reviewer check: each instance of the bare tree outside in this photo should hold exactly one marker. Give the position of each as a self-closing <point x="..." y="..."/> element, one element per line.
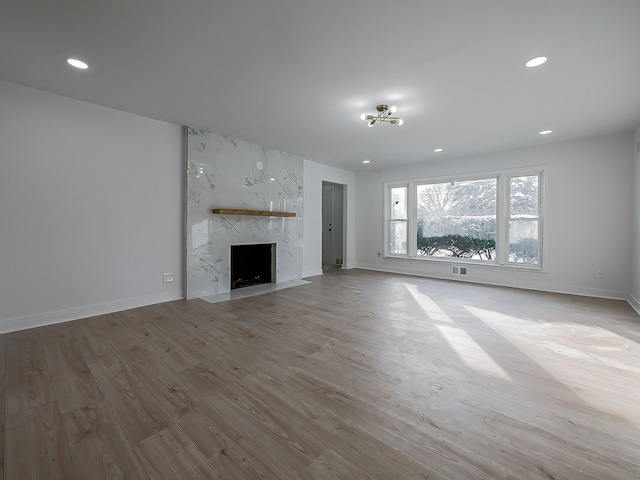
<point x="397" y="234"/>
<point x="457" y="219"/>
<point x="524" y="216"/>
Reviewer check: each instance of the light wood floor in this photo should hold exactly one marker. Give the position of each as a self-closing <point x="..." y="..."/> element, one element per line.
<point x="359" y="375"/>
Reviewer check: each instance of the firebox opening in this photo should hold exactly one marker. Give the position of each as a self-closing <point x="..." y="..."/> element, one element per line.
<point x="252" y="264"/>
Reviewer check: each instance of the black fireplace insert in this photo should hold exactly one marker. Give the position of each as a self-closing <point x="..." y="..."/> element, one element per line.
<point x="252" y="264"/>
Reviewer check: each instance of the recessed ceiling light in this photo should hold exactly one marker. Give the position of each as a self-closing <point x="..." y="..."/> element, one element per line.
<point x="535" y="62"/>
<point x="366" y="161"/>
<point x="545" y="132"/>
<point x="437" y="150"/>
<point x="74" y="62"/>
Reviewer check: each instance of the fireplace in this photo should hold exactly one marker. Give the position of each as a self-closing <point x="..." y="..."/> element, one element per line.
<point x="252" y="264"/>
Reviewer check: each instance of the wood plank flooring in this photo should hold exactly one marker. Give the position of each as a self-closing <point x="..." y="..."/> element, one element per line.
<point x="358" y="375"/>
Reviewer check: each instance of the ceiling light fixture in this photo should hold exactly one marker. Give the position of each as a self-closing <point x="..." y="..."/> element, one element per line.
<point x="545" y="132"/>
<point x="437" y="150"/>
<point x="79" y="64"/>
<point x="366" y="161"/>
<point x="535" y="62"/>
<point x="383" y="115"/>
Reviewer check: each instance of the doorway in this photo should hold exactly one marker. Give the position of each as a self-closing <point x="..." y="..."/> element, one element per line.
<point x="332" y="224"/>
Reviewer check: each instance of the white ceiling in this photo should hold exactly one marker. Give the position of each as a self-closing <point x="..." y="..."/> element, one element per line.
<point x="295" y="75"/>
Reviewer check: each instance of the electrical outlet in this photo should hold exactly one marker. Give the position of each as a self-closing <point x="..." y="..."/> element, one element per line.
<point x="259" y="165"/>
<point x="599" y="274"/>
<point x="167" y="277"/>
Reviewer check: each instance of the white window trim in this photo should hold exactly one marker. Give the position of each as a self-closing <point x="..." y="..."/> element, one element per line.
<point x="387" y="220"/>
<point x="502" y="217"/>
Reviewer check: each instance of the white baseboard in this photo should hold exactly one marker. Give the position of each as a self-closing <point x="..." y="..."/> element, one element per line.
<point x="59" y="316"/>
<point x="312" y="274"/>
<point x="635" y="304"/>
<point x="541" y="287"/>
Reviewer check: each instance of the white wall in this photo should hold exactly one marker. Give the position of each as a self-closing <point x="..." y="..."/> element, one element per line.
<point x="314" y="175"/>
<point x="635" y="263"/>
<point x="91" y="203"/>
<point x="589" y="185"/>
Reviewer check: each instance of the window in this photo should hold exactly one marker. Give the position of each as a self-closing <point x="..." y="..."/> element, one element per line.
<point x="397" y="234"/>
<point x="492" y="218"/>
<point x="457" y="219"/>
<point x="524" y="219"/>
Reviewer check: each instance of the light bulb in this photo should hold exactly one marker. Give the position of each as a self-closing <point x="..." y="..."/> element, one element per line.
<point x="393" y="109"/>
<point x="535" y="62"/>
<point x="545" y="132"/>
<point x="371" y="123"/>
<point x="400" y="121"/>
<point x="363" y="116"/>
<point x="74" y="62"/>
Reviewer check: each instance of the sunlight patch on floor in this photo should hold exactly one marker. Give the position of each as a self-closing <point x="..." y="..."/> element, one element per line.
<point x="428" y="306"/>
<point x="479" y="359"/>
<point x="580" y="354"/>
<point x="579" y="342"/>
<point x="458" y="341"/>
<point x="496" y="319"/>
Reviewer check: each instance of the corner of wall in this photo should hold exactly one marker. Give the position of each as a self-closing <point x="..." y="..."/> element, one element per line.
<point x="635" y="220"/>
<point x="312" y="273"/>
<point x="634" y="303"/>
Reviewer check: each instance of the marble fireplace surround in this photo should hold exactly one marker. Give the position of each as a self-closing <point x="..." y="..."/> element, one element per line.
<point x="227" y="173"/>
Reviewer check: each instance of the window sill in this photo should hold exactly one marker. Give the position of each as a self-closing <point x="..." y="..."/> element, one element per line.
<point x="470" y="262"/>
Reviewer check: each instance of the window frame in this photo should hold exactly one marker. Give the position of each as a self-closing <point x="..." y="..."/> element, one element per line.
<point x="387" y="215"/>
<point x="503" y="216"/>
<point x="509" y="217"/>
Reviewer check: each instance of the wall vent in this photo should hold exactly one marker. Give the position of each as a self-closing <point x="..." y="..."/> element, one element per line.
<point x="459" y="270"/>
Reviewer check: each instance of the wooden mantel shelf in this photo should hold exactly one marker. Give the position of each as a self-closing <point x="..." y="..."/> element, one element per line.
<point x="260" y="213"/>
